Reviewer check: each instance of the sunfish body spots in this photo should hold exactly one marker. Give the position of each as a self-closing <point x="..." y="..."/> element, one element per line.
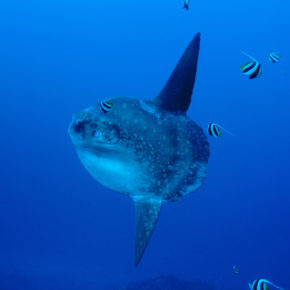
<point x="149" y="150"/>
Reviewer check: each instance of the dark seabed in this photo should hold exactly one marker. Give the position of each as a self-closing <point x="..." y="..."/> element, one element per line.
<point x="59" y="228"/>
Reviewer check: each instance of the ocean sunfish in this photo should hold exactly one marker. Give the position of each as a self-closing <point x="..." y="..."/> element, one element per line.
<point x="148" y="149"/>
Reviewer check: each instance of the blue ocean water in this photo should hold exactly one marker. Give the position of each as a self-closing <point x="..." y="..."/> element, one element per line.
<point x="59" y="229"/>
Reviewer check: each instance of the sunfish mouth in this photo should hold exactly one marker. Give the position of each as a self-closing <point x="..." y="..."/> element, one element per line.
<point x="102" y="137"/>
<point x="89" y="133"/>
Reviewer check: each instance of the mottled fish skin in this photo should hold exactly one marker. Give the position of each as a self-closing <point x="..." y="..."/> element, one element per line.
<point x="149" y="150"/>
<point x="167" y="151"/>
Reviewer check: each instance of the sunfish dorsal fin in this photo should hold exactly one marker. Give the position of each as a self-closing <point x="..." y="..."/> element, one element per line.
<point x="176" y="94"/>
<point x="147" y="214"/>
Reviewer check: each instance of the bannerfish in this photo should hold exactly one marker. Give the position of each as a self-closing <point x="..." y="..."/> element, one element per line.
<point x="215" y="130"/>
<point x="186" y="4"/>
<point x="236" y="269"/>
<point x="262" y="284"/>
<point x="106" y="106"/>
<point x="147" y="149"/>
<point x="274" y="57"/>
<point x="251" y="68"/>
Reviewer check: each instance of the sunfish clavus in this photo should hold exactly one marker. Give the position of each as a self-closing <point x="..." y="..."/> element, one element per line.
<point x="149" y="149"/>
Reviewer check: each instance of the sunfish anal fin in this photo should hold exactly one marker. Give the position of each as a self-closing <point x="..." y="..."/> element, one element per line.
<point x="176" y="94"/>
<point x="147" y="214"/>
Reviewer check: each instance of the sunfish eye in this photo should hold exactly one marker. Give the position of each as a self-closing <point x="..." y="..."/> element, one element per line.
<point x="106" y="106"/>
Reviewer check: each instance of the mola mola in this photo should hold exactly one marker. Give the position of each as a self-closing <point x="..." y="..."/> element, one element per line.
<point x="148" y="149"/>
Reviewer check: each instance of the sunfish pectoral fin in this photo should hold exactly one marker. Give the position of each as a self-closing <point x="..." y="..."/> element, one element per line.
<point x="147" y="214"/>
<point x="176" y="94"/>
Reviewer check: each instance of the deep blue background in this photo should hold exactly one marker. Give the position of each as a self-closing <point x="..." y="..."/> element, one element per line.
<point x="58" y="224"/>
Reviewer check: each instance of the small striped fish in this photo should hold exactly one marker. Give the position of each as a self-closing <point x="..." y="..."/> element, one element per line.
<point x="215" y="130"/>
<point x="251" y="68"/>
<point x="236" y="269"/>
<point x="106" y="106"/>
<point x="186" y="3"/>
<point x="262" y="284"/>
<point x="274" y="57"/>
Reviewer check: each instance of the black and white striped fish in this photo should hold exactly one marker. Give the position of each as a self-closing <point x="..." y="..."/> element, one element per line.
<point x="215" y="130"/>
<point x="186" y="3"/>
<point x="236" y="269"/>
<point x="251" y="68"/>
<point x="274" y="57"/>
<point x="262" y="284"/>
<point x="106" y="106"/>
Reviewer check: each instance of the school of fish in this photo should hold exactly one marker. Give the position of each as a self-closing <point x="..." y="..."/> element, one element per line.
<point x="252" y="69"/>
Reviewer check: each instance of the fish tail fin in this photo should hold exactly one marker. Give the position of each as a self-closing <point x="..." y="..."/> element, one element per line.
<point x="250" y="285"/>
<point x="246" y="54"/>
<point x="147" y="214"/>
